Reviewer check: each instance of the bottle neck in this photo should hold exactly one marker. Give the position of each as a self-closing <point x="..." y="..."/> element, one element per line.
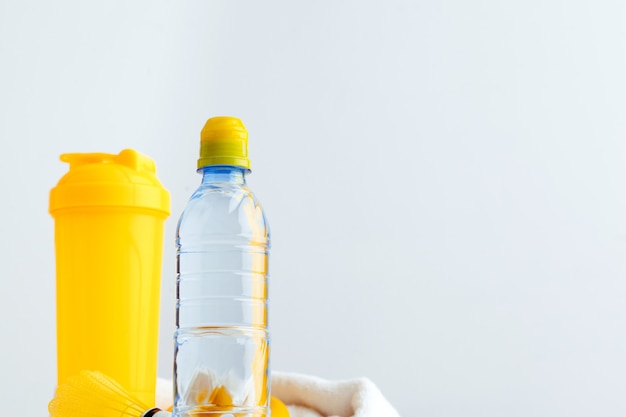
<point x="223" y="174"/>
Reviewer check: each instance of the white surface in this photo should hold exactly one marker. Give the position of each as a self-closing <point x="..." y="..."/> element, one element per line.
<point x="444" y="181"/>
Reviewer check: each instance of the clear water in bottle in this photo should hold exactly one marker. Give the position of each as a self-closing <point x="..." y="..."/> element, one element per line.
<point x="221" y="362"/>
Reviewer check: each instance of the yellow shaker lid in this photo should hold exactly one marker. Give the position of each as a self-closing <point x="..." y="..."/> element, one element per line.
<point x="224" y="141"/>
<point x="127" y="179"/>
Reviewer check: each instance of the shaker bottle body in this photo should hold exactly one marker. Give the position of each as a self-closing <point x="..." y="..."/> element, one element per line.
<point x="108" y="257"/>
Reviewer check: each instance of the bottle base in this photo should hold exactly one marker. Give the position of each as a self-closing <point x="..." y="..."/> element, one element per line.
<point x="216" y="411"/>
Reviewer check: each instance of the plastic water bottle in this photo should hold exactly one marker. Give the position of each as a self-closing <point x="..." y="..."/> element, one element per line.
<point x="221" y="364"/>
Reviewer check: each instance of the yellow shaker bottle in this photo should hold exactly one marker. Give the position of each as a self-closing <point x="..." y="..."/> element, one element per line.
<point x="109" y="212"/>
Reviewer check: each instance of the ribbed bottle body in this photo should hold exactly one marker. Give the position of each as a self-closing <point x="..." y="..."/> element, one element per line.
<point x="222" y="342"/>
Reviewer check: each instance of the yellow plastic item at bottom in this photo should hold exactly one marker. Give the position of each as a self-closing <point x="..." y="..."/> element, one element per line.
<point x="278" y="408"/>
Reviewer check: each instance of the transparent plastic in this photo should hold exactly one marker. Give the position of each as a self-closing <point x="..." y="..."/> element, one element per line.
<point x="221" y="364"/>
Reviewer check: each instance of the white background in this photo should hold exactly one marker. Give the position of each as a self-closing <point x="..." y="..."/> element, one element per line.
<point x="444" y="180"/>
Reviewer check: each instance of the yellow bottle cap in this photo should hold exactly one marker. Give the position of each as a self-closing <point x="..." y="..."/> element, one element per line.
<point x="127" y="179"/>
<point x="224" y="141"/>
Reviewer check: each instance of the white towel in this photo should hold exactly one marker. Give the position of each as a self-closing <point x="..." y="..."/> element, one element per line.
<point x="309" y="396"/>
